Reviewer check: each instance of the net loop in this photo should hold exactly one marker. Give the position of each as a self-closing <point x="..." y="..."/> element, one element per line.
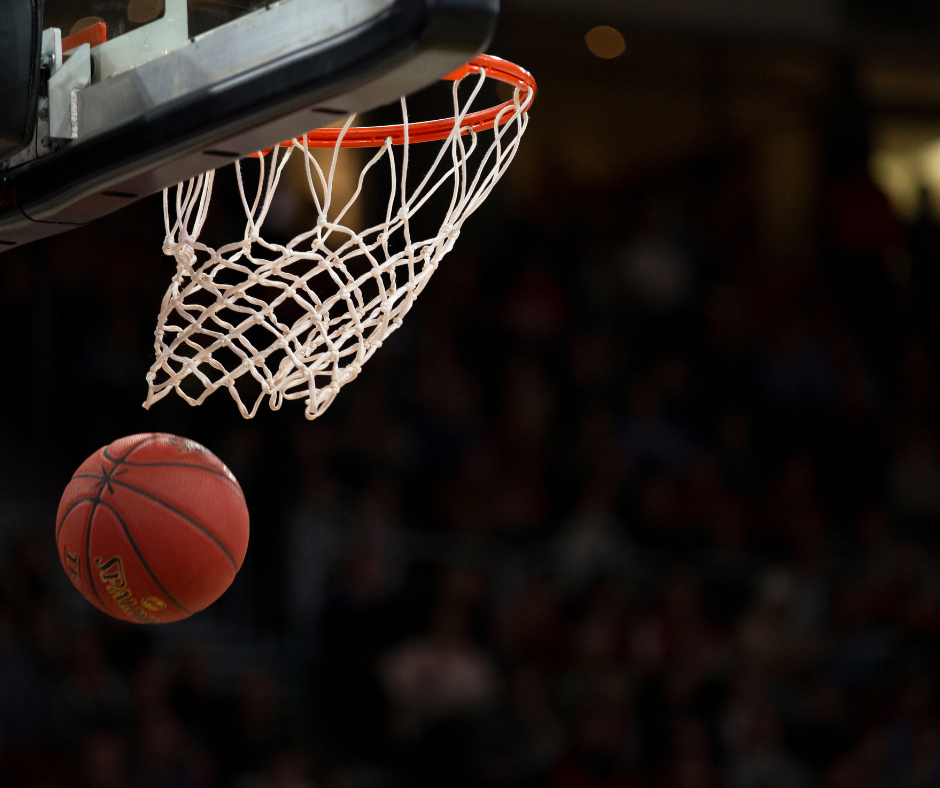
<point x="275" y="321"/>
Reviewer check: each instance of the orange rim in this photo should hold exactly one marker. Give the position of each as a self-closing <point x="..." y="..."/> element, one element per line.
<point x="430" y="130"/>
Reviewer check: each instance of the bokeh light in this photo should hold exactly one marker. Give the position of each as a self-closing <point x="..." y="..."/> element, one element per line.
<point x="606" y="42"/>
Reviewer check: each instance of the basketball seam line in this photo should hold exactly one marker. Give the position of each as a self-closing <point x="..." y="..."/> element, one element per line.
<point x="124" y="461"/>
<point x="58" y="530"/>
<point x="133" y="448"/>
<point x="186" y="517"/>
<point x="91" y="577"/>
<point x="143" y="561"/>
<point x="213" y="471"/>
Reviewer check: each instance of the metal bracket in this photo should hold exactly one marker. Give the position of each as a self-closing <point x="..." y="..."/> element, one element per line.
<point x="143" y="44"/>
<point x="64" y="86"/>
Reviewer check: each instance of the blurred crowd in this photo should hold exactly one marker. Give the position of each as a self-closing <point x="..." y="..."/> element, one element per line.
<point x="630" y="501"/>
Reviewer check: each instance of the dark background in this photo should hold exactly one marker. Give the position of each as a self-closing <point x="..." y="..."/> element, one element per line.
<point x="644" y="493"/>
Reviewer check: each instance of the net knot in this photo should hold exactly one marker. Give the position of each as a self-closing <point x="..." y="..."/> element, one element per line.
<point x="184" y="255"/>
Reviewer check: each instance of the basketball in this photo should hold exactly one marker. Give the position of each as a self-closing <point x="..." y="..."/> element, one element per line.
<point x="152" y="528"/>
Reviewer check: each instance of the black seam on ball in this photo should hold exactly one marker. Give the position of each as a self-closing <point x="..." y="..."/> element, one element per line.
<point x="183" y="516"/>
<point x="133" y="544"/>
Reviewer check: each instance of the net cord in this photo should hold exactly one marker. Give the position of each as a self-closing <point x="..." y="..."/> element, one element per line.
<point x="202" y="337"/>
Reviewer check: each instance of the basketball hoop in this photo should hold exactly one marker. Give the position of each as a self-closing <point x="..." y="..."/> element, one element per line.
<point x="298" y="320"/>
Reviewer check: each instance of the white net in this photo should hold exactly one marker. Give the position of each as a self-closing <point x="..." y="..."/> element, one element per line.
<point x="299" y="320"/>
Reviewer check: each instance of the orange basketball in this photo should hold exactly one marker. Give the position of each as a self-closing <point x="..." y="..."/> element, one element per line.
<point x="152" y="528"/>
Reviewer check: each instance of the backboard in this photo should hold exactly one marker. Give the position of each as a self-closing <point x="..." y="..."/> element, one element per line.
<point x="138" y="95"/>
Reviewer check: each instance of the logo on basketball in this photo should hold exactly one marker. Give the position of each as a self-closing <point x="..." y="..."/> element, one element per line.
<point x="112" y="575"/>
<point x="153" y="603"/>
<point x="71" y="563"/>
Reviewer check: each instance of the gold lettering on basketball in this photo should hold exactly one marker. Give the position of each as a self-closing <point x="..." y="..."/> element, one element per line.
<point x="122" y="596"/>
<point x="153" y="603"/>
<point x="111" y="573"/>
<point x="71" y="564"/>
<point x="112" y="570"/>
